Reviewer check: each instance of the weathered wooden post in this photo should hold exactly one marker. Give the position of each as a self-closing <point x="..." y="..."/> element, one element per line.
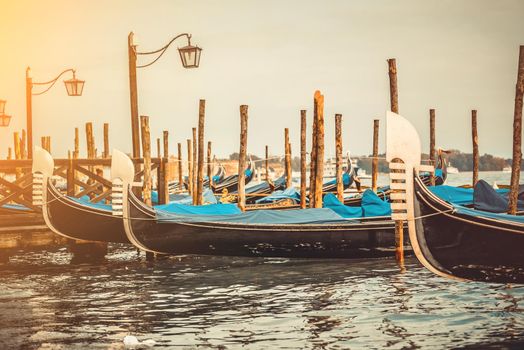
<point x="338" y="156"/>
<point x="302" y="159"/>
<point x="432" y="152"/>
<point x="242" y="159"/>
<point x="106" y="141"/>
<point x="393" y="96"/>
<point x="313" y="156"/>
<point x="374" y="162"/>
<point x="146" y="148"/>
<point x="201" y="155"/>
<point x="133" y="94"/>
<point x="393" y="88"/>
<point x="194" y="170"/>
<point x="267" y="163"/>
<point x="475" y="139"/>
<point x="16" y="139"/>
<point x="517" y="136"/>
<point x="287" y="158"/>
<point x="319" y="173"/>
<point x="209" y="164"/>
<point x="180" y="168"/>
<point x="23" y="150"/>
<point x="189" y="167"/>
<point x="77" y="144"/>
<point x="165" y="135"/>
<point x="70" y="175"/>
<point x="158" y="148"/>
<point x="9" y="153"/>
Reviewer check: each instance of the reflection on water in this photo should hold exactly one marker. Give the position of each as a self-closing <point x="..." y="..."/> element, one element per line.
<point x="215" y="302"/>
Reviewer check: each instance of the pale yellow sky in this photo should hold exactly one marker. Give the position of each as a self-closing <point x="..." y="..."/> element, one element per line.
<point x="271" y="55"/>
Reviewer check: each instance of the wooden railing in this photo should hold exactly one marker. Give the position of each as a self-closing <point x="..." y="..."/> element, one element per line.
<point x="79" y="175"/>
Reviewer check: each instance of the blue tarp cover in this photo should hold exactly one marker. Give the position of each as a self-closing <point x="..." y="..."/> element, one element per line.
<point x="457" y="195"/>
<point x="499" y="216"/>
<point x="276" y="217"/>
<point x="290" y="193"/>
<point x="85" y="200"/>
<point x="345" y="180"/>
<point x="372" y="206"/>
<point x="488" y="199"/>
<point x="210" y="209"/>
<point x="16" y="207"/>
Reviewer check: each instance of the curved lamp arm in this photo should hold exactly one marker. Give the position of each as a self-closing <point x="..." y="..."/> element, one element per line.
<point x="53" y="81"/>
<point x="162" y="50"/>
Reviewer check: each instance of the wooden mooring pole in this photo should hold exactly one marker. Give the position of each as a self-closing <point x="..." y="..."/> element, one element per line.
<point x="517" y="136"/>
<point x="313" y="156"/>
<point x="180" y="168"/>
<point x="475" y="140"/>
<point x="393" y="96"/>
<point x="194" y="170"/>
<point x="432" y="151"/>
<point x="374" y="161"/>
<point x="189" y="167"/>
<point x="242" y="158"/>
<point x="303" y="152"/>
<point x="146" y="148"/>
<point x="267" y="163"/>
<point x="319" y="171"/>
<point x="201" y="154"/>
<point x="165" y="135"/>
<point x="338" y="157"/>
<point x="106" y="141"/>
<point x="287" y="158"/>
<point x="209" y="165"/>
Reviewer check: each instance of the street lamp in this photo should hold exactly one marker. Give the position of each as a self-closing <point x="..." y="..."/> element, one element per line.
<point x="190" y="57"/>
<point x="74" y="87"/>
<point x="4" y="118"/>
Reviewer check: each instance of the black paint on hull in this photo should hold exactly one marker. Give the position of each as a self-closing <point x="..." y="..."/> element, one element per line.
<point x="468" y="247"/>
<point x="370" y="239"/>
<point x="77" y="221"/>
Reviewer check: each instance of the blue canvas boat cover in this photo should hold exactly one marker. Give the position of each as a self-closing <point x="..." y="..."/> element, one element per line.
<point x="208" y="196"/>
<point x="372" y="205"/>
<point x="85" y="200"/>
<point x="331" y="201"/>
<point x="488" y="199"/>
<point x="16" y="207"/>
<point x="288" y="193"/>
<point x="346" y="178"/>
<point x="273" y="217"/>
<point x="210" y="209"/>
<point x="458" y="195"/>
<point x="497" y="216"/>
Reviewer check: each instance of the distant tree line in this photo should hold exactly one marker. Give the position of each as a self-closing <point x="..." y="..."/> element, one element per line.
<point x="461" y="161"/>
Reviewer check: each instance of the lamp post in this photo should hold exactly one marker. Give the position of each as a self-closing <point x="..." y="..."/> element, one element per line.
<point x="4" y="118"/>
<point x="190" y="57"/>
<point x="74" y="87"/>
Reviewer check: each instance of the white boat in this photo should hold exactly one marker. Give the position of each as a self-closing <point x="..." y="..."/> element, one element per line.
<point x="451" y="169"/>
<point x="506" y="169"/>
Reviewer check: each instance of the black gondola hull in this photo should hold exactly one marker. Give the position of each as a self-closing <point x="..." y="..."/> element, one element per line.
<point x="467" y="247"/>
<point x="76" y="221"/>
<point x="374" y="239"/>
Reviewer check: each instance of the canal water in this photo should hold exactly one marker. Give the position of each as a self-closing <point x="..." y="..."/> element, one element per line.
<point x="47" y="302"/>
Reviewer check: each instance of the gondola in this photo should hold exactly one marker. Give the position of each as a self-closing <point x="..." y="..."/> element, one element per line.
<point x="230" y="183"/>
<point x="348" y="178"/>
<point x="452" y="240"/>
<point x="70" y="217"/>
<point x="440" y="175"/>
<point x="217" y="178"/>
<point x="306" y="233"/>
<point x="253" y="193"/>
<point x="78" y="219"/>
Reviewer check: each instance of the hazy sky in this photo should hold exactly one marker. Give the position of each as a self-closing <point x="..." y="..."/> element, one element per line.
<point x="453" y="56"/>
